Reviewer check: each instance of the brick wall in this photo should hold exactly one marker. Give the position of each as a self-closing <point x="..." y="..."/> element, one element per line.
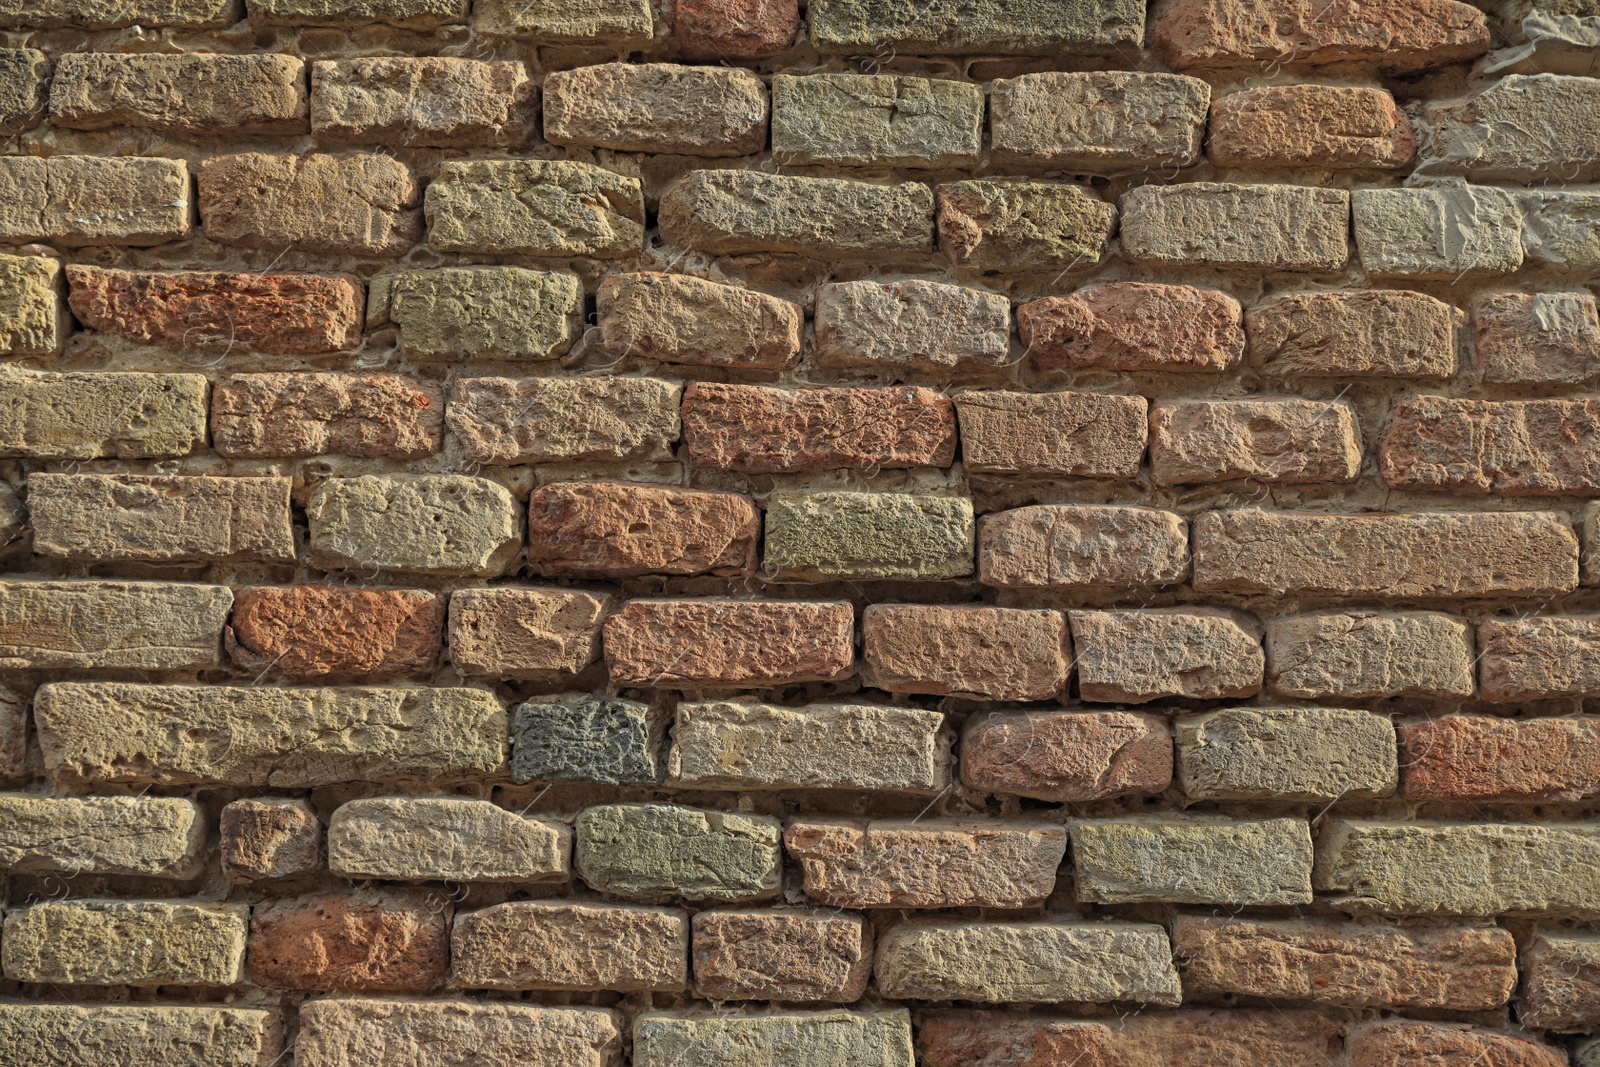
<point x="966" y="533"/>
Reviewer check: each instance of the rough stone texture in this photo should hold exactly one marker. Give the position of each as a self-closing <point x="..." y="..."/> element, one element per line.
<point x="160" y="837"/>
<point x="543" y="420"/>
<point x="1525" y="659"/>
<point x="1470" y="758"/>
<point x="676" y="318"/>
<point x="617" y="530"/>
<point x="81" y="200"/>
<point x="657" y="107"/>
<point x="876" y="120"/>
<point x="1087" y="434"/>
<point x="837" y="1038"/>
<point x="1559" y="229"/>
<point x="1139" y="656"/>
<point x="102" y="1035"/>
<point x="423" y="523"/>
<point x="1493" y="446"/>
<point x="419" y="839"/>
<point x="364" y="205"/>
<point x="913" y="325"/>
<point x="1074" y="546"/>
<point x="410" y="14"/>
<point x="1543" y="338"/>
<point x="359" y="940"/>
<point x="1238" y="227"/>
<point x="1033" y="27"/>
<point x="1561" y="982"/>
<point x="310" y="631"/>
<point x="33" y="318"/>
<point x="984" y="652"/>
<point x="271" y="837"/>
<point x="1310" y="754"/>
<point x="1310" y="126"/>
<point x="571" y="945"/>
<point x="185" y="93"/>
<point x="1101" y="121"/>
<point x="24" y="88"/>
<point x="1066" y="756"/>
<point x="84" y="416"/>
<point x="109" y="14"/>
<point x="512" y="633"/>
<point x="1404" y="1044"/>
<point x="534" y="207"/>
<point x="1377" y="333"/>
<point x="126" y="943"/>
<point x="1438" y="233"/>
<point x="87" y="625"/>
<point x="657" y="852"/>
<point x="1022" y="225"/>
<point x="1195" y="860"/>
<point x="555" y="21"/>
<point x="1138" y="326"/>
<point x="1365" y="654"/>
<point x="261" y="416"/>
<point x="1523" y="128"/>
<point x="717" y="641"/>
<point x="791" y="955"/>
<point x="433" y="101"/>
<point x="821" y="535"/>
<point x="287" y="738"/>
<point x="503" y="313"/>
<point x="596" y="739"/>
<point x="1283" y="441"/>
<point x="728" y="29"/>
<point x="13" y="736"/>
<point x="372" y="1032"/>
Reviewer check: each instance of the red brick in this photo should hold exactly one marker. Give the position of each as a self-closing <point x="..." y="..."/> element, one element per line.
<point x="369" y="941"/>
<point x="1543" y="338"/>
<point x="308" y="631"/>
<point x="1283" y="441"/>
<point x="284" y="314"/>
<point x="1540" y="656"/>
<point x="616" y="530"/>
<point x="761" y="430"/>
<point x="583" y="945"/>
<point x="1473" y="757"/>
<point x="261" y="416"/>
<point x="735" y="29"/>
<point x="725" y="642"/>
<point x="1526" y="447"/>
<point x="1085" y="434"/>
<point x="1139" y="326"/>
<point x="1310" y="126"/>
<point x="1082" y="546"/>
<point x="269" y="837"/>
<point x="1066" y="756"/>
<point x="511" y="633"/>
<point x="676" y="318"/>
<point x="790" y="955"/>
<point x="1406" y="1044"/>
<point x="363" y="205"/>
<point x="1374" y="333"/>
<point x="966" y="650"/>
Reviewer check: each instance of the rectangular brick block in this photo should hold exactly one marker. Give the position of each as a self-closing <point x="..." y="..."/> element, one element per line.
<point x="1377" y="333"/>
<point x="1238" y="227"/>
<point x="311" y="631"/>
<point x="746" y="29"/>
<point x="501" y="313"/>
<point x="619" y="530"/>
<point x="534" y="207"/>
<point x="1099" y="122"/>
<point x="1561" y="982"/>
<point x="24" y="87"/>
<point x="1137" y="326"/>
<point x="1362" y="654"/>
<point x="1408" y="1044"/>
<point x="1086" y="434"/>
<point x="82" y="200"/>
<point x="126" y="943"/>
<point x="1277" y="441"/>
<point x="724" y="642"/>
<point x="1540" y="338"/>
<point x="1521" y="128"/>
<point x="431" y="101"/>
<point x="1479" y="757"/>
<point x="187" y="93"/>
<point x="823" y="535"/>
<point x="916" y="325"/>
<point x="1540" y="656"/>
<point x="268" y="838"/>
<point x="1139" y="656"/>
<point x="876" y="120"/>
<point x="657" y="107"/>
<point x="1066" y="756"/>
<point x="33" y="316"/>
<point x="512" y="633"/>
<point x="863" y="27"/>
<point x="1528" y="447"/>
<point x="1089" y="546"/>
<point x="375" y="1032"/>
<point x="586" y="739"/>
<point x="85" y="416"/>
<point x="112" y="14"/>
<point x="1013" y="226"/>
<point x="93" y="624"/>
<point x="410" y="14"/>
<point x="1558" y="229"/>
<point x="352" y="941"/>
<point x="550" y="420"/>
<point x="71" y="1035"/>
<point x="264" y="416"/>
<point x="619" y="22"/>
<point x="839" y="1038"/>
<point x="529" y="944"/>
<point x="1307" y="754"/>
<point x="1310" y="126"/>
<point x="984" y="652"/>
<point x="676" y="318"/>
<point x="790" y="955"/>
<point x="1438" y="233"/>
<point x="658" y="852"/>
<point x="1189" y="860"/>
<point x="446" y="524"/>
<point x="160" y="837"/>
<point x="362" y="205"/>
<point x="446" y="839"/>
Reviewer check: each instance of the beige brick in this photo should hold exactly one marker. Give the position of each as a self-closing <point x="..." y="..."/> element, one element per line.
<point x="1086" y="434"/>
<point x="1377" y="333"/>
<point x="511" y="633"/>
<point x="659" y="852"/>
<point x="876" y="120"/>
<point x="70" y="1035"/>
<point x="33" y="316"/>
<point x="1192" y="860"/>
<point x="916" y="325"/>
<point x="410" y="14"/>
<point x="1561" y="981"/>
<point x="161" y="837"/>
<point x="534" y="207"/>
<point x="47" y="415"/>
<point x="1310" y="754"/>
<point x="128" y="943"/>
<point x="879" y="1038"/>
<point x="375" y="1032"/>
<point x="549" y="420"/>
<point x="502" y="313"/>
<point x="984" y="652"/>
<point x="98" y="624"/>
<point x="325" y="204"/>
<point x="816" y="536"/>
<point x="563" y="21"/>
<point x="1285" y="441"/>
<point x="676" y="318"/>
<point x="260" y="416"/>
<point x="1238" y="227"/>
<point x="1521" y="128"/>
<point x="1437" y="233"/>
<point x="445" y="839"/>
<point x="1360" y="654"/>
<point x="1540" y="338"/>
<point x="418" y="523"/>
<point x="1099" y="122"/>
<point x="1539" y="656"/>
<point x="940" y="27"/>
<point x="188" y="93"/>
<point x="431" y="101"/>
<point x="1003" y="226"/>
<point x="573" y="945"/>
<point x="112" y="14"/>
<point x="81" y="200"/>
<point x="657" y="107"/>
<point x="24" y="88"/>
<point x="1082" y="546"/>
<point x="1139" y="656"/>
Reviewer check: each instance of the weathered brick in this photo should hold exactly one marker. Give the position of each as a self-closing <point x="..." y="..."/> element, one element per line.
<point x="749" y="211"/>
<point x="332" y="205"/>
<point x="269" y="837"/>
<point x="1195" y="860"/>
<point x="656" y="852"/>
<point x="1477" y="757"/>
<point x="873" y="120"/>
<point x="81" y="200"/>
<point x="586" y="739"/>
<point x="101" y="1035"/>
<point x="1083" y="546"/>
<point x="112" y="14"/>
<point x="262" y="416"/>
<point x="14" y="736"/>
<point x="33" y="317"/>
<point x="502" y="313"/>
<point x="725" y="642"/>
<point x="676" y="318"/>
<point x="160" y="519"/>
<point x="127" y="943"/>
<point x="411" y="14"/>
<point x="571" y="945"/>
<point x="374" y="1032"/>
<point x="261" y="736"/>
<point x="879" y="1038"/>
<point x="917" y="325"/>
<point x="1139" y="656"/>
<point x="1311" y="754"/>
<point x="446" y="839"/>
<point x="1361" y="654"/>
<point x="1407" y="1044"/>
<point x="823" y="535"/>
<point x="346" y="941"/>
<point x="84" y="416"/>
<point x="547" y="420"/>
<point x="1278" y="441"/>
<point x="1488" y="446"/>
<point x="308" y="631"/>
<point x="863" y="27"/>
<point x="1539" y="656"/>
<point x="421" y="523"/>
<point x="1559" y="229"/>
<point x="561" y="21"/>
<point x="1561" y="982"/>
<point x="1100" y="121"/>
<point x="790" y="955"/>
<point x="161" y="837"/>
<point x="185" y="92"/>
<point x="1139" y="326"/>
<point x="657" y="107"/>
<point x="1520" y="128"/>
<point x="85" y="625"/>
<point x="1085" y="434"/>
<point x="966" y="650"/>
<point x="1389" y="555"/>
<point x="512" y="632"/>
<point x="1239" y="227"/>
<point x="1017" y="225"/>
<point x="1437" y="233"/>
<point x="735" y="29"/>
<point x="1543" y="338"/>
<point x="534" y="207"/>
<point x="1376" y="333"/>
<point x="1066" y="756"/>
<point x="618" y="530"/>
<point x="433" y="101"/>
<point x="24" y="88"/>
<point x="1310" y="126"/>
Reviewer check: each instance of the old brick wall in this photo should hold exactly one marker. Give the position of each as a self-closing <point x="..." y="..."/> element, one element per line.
<point x="966" y="533"/>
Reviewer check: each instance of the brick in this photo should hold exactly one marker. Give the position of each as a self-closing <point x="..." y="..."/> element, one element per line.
<point x="657" y="107"/>
<point x="265" y="416"/>
<point x="352" y="941"/>
<point x="735" y="29"/>
<point x="1561" y="982"/>
<point x="916" y="325"/>
<point x="24" y="88"/>
<point x="1475" y="757"/>
<point x="445" y="839"/>
<point x="1370" y="334"/>
<point x="71" y="201"/>
<point x="269" y="837"/>
<point x="761" y="430"/>
<point x="126" y="943"/>
<point x="33" y="317"/>
<point x="1139" y="656"/>
<point x="966" y="650"/>
<point x="159" y="519"/>
<point x="1529" y="447"/>
<point x="853" y="27"/>
<point x="1298" y="753"/>
<point x="410" y="14"/>
<point x="1559" y="229"/>
<point x="1310" y="126"/>
<point x="89" y="625"/>
<point x="1099" y="122"/>
<point x="1438" y="233"/>
<point x="822" y="535"/>
<point x="1086" y="434"/>
<point x="726" y="642"/>
<point x="262" y="736"/>
<point x="534" y="207"/>
<point x="874" y="120"/>
<point x="1406" y="1044"/>
<point x="429" y="101"/>
<point x="840" y="1038"/>
<point x="789" y="955"/>
<point x="586" y="739"/>
<point x="528" y="944"/>
<point x="1543" y="338"/>
<point x="1363" y="654"/>
<point x="512" y="633"/>
<point x="1137" y="326"/>
<point x="1236" y="227"/>
<point x="1540" y="656"/>
<point x="112" y="14"/>
<point x="70" y="1035"/>
<point x="618" y="530"/>
<point x="546" y="420"/>
<point x="309" y="631"/>
<point x="14" y="524"/>
<point x="1397" y="35"/>
<point x="85" y="416"/>
<point x="655" y="852"/>
<point x="419" y="523"/>
<point x="443" y="313"/>
<point x="13" y="736"/>
<point x="1589" y="523"/>
<point x="736" y="211"/>
<point x="1027" y="962"/>
<point x="1013" y="225"/>
<point x="374" y="1032"/>
<point x="1523" y="128"/>
<point x="1389" y="555"/>
<point x="324" y="204"/>
<point x="158" y="837"/>
<point x="676" y="318"/>
<point x="942" y="863"/>
<point x="1057" y="546"/>
<point x="561" y="21"/>
<point x="1359" y="966"/>
<point x="1192" y="860"/>
<point x="1066" y="756"/>
<point x="186" y="93"/>
<point x="1276" y="441"/>
<point x="283" y="313"/>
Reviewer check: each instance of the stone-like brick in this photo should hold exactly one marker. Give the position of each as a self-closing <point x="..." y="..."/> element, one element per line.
<point x="1082" y="546"/>
<point x="863" y="27"/>
<point x="1001" y="226"/>
<point x="1066" y="756"/>
<point x="587" y="739"/>
<point x="527" y="944"/>
<point x="84" y="416"/>
<point x="422" y="523"/>
<point x="330" y="205"/>
<point x="1437" y="233"/>
<point x="1085" y="434"/>
<point x="761" y="430"/>
<point x="879" y="1038"/>
<point x="916" y="325"/>
<point x="1561" y="229"/>
<point x="749" y="211"/>
<point x="740" y="746"/>
<point x="1589" y="521"/>
<point x="266" y="416"/>
<point x="1520" y="128"/>
<point x="502" y="313"/>
<point x="824" y="535"/>
<point x="353" y="941"/>
<point x="1474" y="757"/>
<point x="83" y="200"/>
<point x="93" y="624"/>
<point x="1238" y="227"/>
<point x="161" y="837"/>
<point x="1528" y="447"/>
<point x="1027" y="962"/>
<point x="561" y="21"/>
<point x="1310" y="754"/>
<point x="676" y="318"/>
<point x="1539" y="656"/>
<point x="112" y="14"/>
<point x="70" y="1035"/>
<point x="1407" y="1044"/>
<point x="548" y="420"/>
<point x="126" y="943"/>
<point x="1281" y="441"/>
<point x="1362" y="654"/>
<point x="1101" y="121"/>
<point x="657" y="107"/>
<point x="1357" y="966"/>
<point x="1561" y="982"/>
<point x="432" y="101"/>
<point x="735" y="29"/>
<point x="534" y="207"/>
<point x="726" y="642"/>
<point x="1310" y="126"/>
<point x="1375" y="333"/>
<point x="967" y="650"/>
<point x="446" y="839"/>
<point x="264" y="736"/>
<point x="1542" y="338"/>
<point x="790" y="955"/>
<point x="1138" y="326"/>
<point x="1388" y="555"/>
<point x="619" y="530"/>
<point x="158" y="519"/>
<point x="1172" y="859"/>
<point x="24" y="88"/>
<point x="308" y="631"/>
<point x="656" y="852"/>
<point x="1139" y="656"/>
<point x="374" y="1032"/>
<point x="513" y="633"/>
<point x="185" y="92"/>
<point x="935" y="864"/>
<point x="269" y="837"/>
<point x="14" y="736"/>
<point x="33" y="317"/>
<point x="410" y="14"/>
<point x="876" y="120"/>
